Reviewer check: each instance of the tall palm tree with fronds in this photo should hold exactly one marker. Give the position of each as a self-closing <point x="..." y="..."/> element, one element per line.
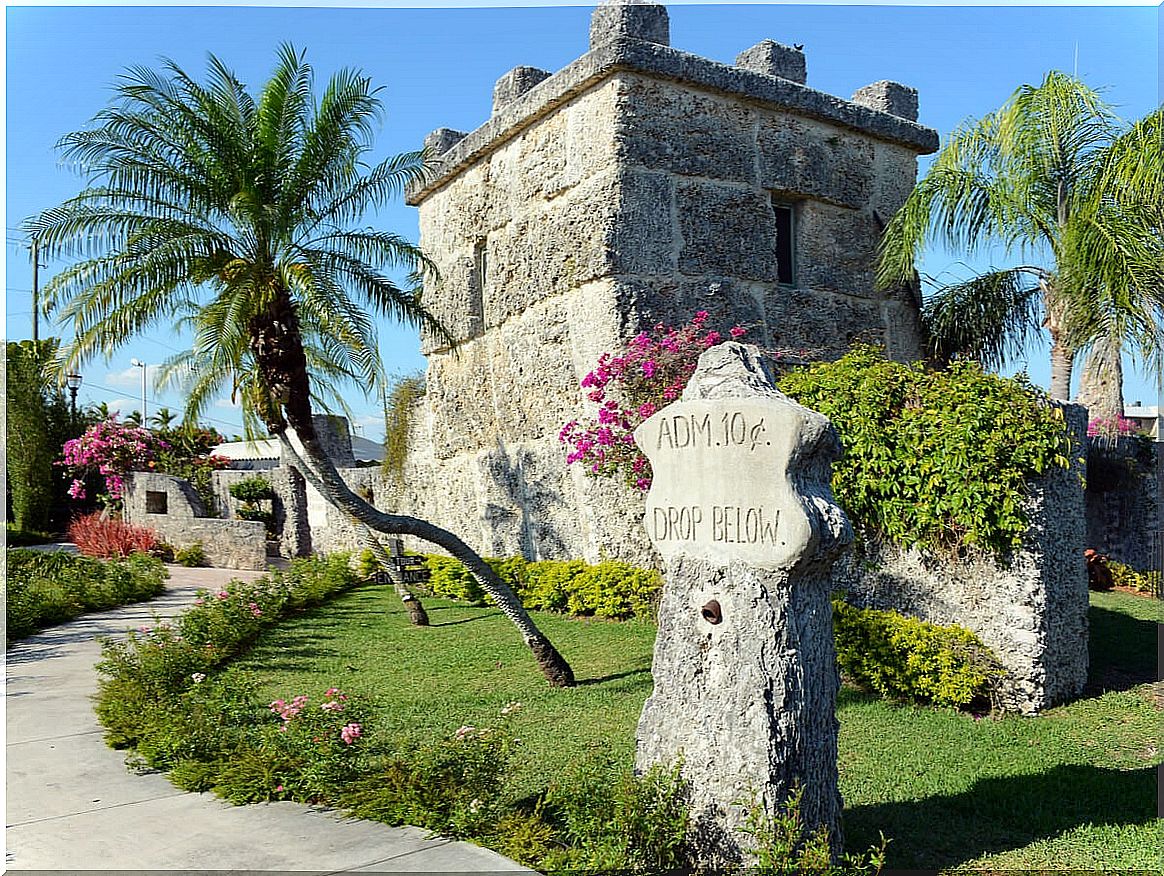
<point x="1123" y="237"/>
<point x="1040" y="178"/>
<point x="246" y="209"/>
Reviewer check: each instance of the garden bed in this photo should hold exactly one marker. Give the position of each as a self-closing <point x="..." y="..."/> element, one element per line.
<point x="1075" y="787"/>
<point x="51" y="587"/>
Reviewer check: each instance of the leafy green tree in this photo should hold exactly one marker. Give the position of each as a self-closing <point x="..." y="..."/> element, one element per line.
<point x="37" y="428"/>
<point x="1052" y="178"/>
<point x="243" y="210"/>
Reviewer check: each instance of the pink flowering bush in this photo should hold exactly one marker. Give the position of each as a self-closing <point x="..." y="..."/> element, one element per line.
<point x="629" y="387"/>
<point x="110" y="449"/>
<point x="1117" y="428"/>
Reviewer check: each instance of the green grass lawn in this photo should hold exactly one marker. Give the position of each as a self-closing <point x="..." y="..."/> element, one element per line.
<point x="1074" y="788"/>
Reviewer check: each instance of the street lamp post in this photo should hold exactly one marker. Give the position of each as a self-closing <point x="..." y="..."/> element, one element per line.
<point x="73" y="382"/>
<point x="138" y="363"/>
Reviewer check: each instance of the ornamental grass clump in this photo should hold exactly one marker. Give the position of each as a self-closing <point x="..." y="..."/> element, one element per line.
<point x="97" y="535"/>
<point x="628" y="387"/>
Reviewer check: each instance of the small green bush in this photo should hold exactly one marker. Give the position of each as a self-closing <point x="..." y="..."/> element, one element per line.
<point x="939" y="459"/>
<point x="903" y="657"/>
<point x="45" y="588"/>
<point x="781" y="845"/>
<point x="450" y="578"/>
<point x="608" y="819"/>
<point x="191" y="556"/>
<point x="1123" y="575"/>
<point x="252" y="490"/>
<point x="611" y="589"/>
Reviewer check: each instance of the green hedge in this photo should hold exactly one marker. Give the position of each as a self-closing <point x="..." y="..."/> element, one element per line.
<point x="610" y="589"/>
<point x="49" y="587"/>
<point x="939" y="459"/>
<point x="903" y="657"/>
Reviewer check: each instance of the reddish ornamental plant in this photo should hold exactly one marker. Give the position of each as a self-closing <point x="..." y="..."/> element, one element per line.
<point x="98" y="536"/>
<point x="629" y="387"/>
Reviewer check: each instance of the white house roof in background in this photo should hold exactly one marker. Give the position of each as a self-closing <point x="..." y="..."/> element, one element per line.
<point x="1144" y="412"/>
<point x="268" y="448"/>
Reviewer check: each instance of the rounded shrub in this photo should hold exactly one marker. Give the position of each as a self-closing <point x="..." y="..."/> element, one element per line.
<point x="937" y="459"/>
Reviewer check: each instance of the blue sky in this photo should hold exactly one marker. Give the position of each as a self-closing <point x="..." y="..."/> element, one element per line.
<point x="439" y="66"/>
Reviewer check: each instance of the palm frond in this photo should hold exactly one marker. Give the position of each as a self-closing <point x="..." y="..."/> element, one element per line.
<point x="990" y="318"/>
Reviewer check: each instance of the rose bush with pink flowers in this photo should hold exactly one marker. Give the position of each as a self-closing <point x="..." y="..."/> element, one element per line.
<point x="629" y="387"/>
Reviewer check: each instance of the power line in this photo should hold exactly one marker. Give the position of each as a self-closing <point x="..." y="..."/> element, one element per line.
<point x="120" y="394"/>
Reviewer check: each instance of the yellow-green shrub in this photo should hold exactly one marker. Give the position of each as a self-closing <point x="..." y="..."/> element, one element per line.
<point x="1125" y="576"/>
<point x="610" y="589"/>
<point x="900" y="656"/>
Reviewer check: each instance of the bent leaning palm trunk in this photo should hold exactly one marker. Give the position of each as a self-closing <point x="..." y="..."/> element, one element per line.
<point x="416" y="613"/>
<point x="328" y="481"/>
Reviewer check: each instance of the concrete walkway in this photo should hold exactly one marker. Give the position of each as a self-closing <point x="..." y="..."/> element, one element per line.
<point x="72" y="804"/>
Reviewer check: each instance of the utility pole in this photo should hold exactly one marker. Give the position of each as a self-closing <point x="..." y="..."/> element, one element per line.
<point x="35" y="288"/>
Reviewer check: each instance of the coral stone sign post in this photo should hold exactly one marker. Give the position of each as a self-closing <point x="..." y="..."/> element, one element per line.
<point x="744" y="667"/>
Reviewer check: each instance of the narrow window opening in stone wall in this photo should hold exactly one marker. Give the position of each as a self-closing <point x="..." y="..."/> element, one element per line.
<point x="477" y="293"/>
<point x="785" y="243"/>
<point x="156" y="502"/>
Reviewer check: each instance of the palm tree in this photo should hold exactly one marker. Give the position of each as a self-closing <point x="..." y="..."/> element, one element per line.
<point x="1125" y="233"/>
<point x="163" y="418"/>
<point x="245" y="210"/>
<point x="202" y="376"/>
<point x="1041" y="177"/>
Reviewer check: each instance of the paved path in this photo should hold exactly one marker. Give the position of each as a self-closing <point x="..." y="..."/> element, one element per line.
<point x="72" y="804"/>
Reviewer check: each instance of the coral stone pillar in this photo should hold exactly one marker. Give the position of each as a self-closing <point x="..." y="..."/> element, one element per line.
<point x="744" y="667"/>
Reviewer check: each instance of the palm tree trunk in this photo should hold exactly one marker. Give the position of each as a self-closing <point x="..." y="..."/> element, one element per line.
<point x="416" y="613"/>
<point x="277" y="347"/>
<point x="1101" y="382"/>
<point x="553" y="665"/>
<point x="1062" y="353"/>
<point x="1062" y="359"/>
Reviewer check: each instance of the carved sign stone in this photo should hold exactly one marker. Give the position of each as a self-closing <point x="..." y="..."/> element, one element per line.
<point x="744" y="667"/>
<point x="721" y="489"/>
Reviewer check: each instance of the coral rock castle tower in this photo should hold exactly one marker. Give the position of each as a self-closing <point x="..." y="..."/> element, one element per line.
<point x="638" y="184"/>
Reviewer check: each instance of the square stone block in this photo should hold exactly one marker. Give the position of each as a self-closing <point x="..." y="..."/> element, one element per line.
<point x="810" y="159"/>
<point x="727" y="231"/>
<point x="689" y="132"/>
